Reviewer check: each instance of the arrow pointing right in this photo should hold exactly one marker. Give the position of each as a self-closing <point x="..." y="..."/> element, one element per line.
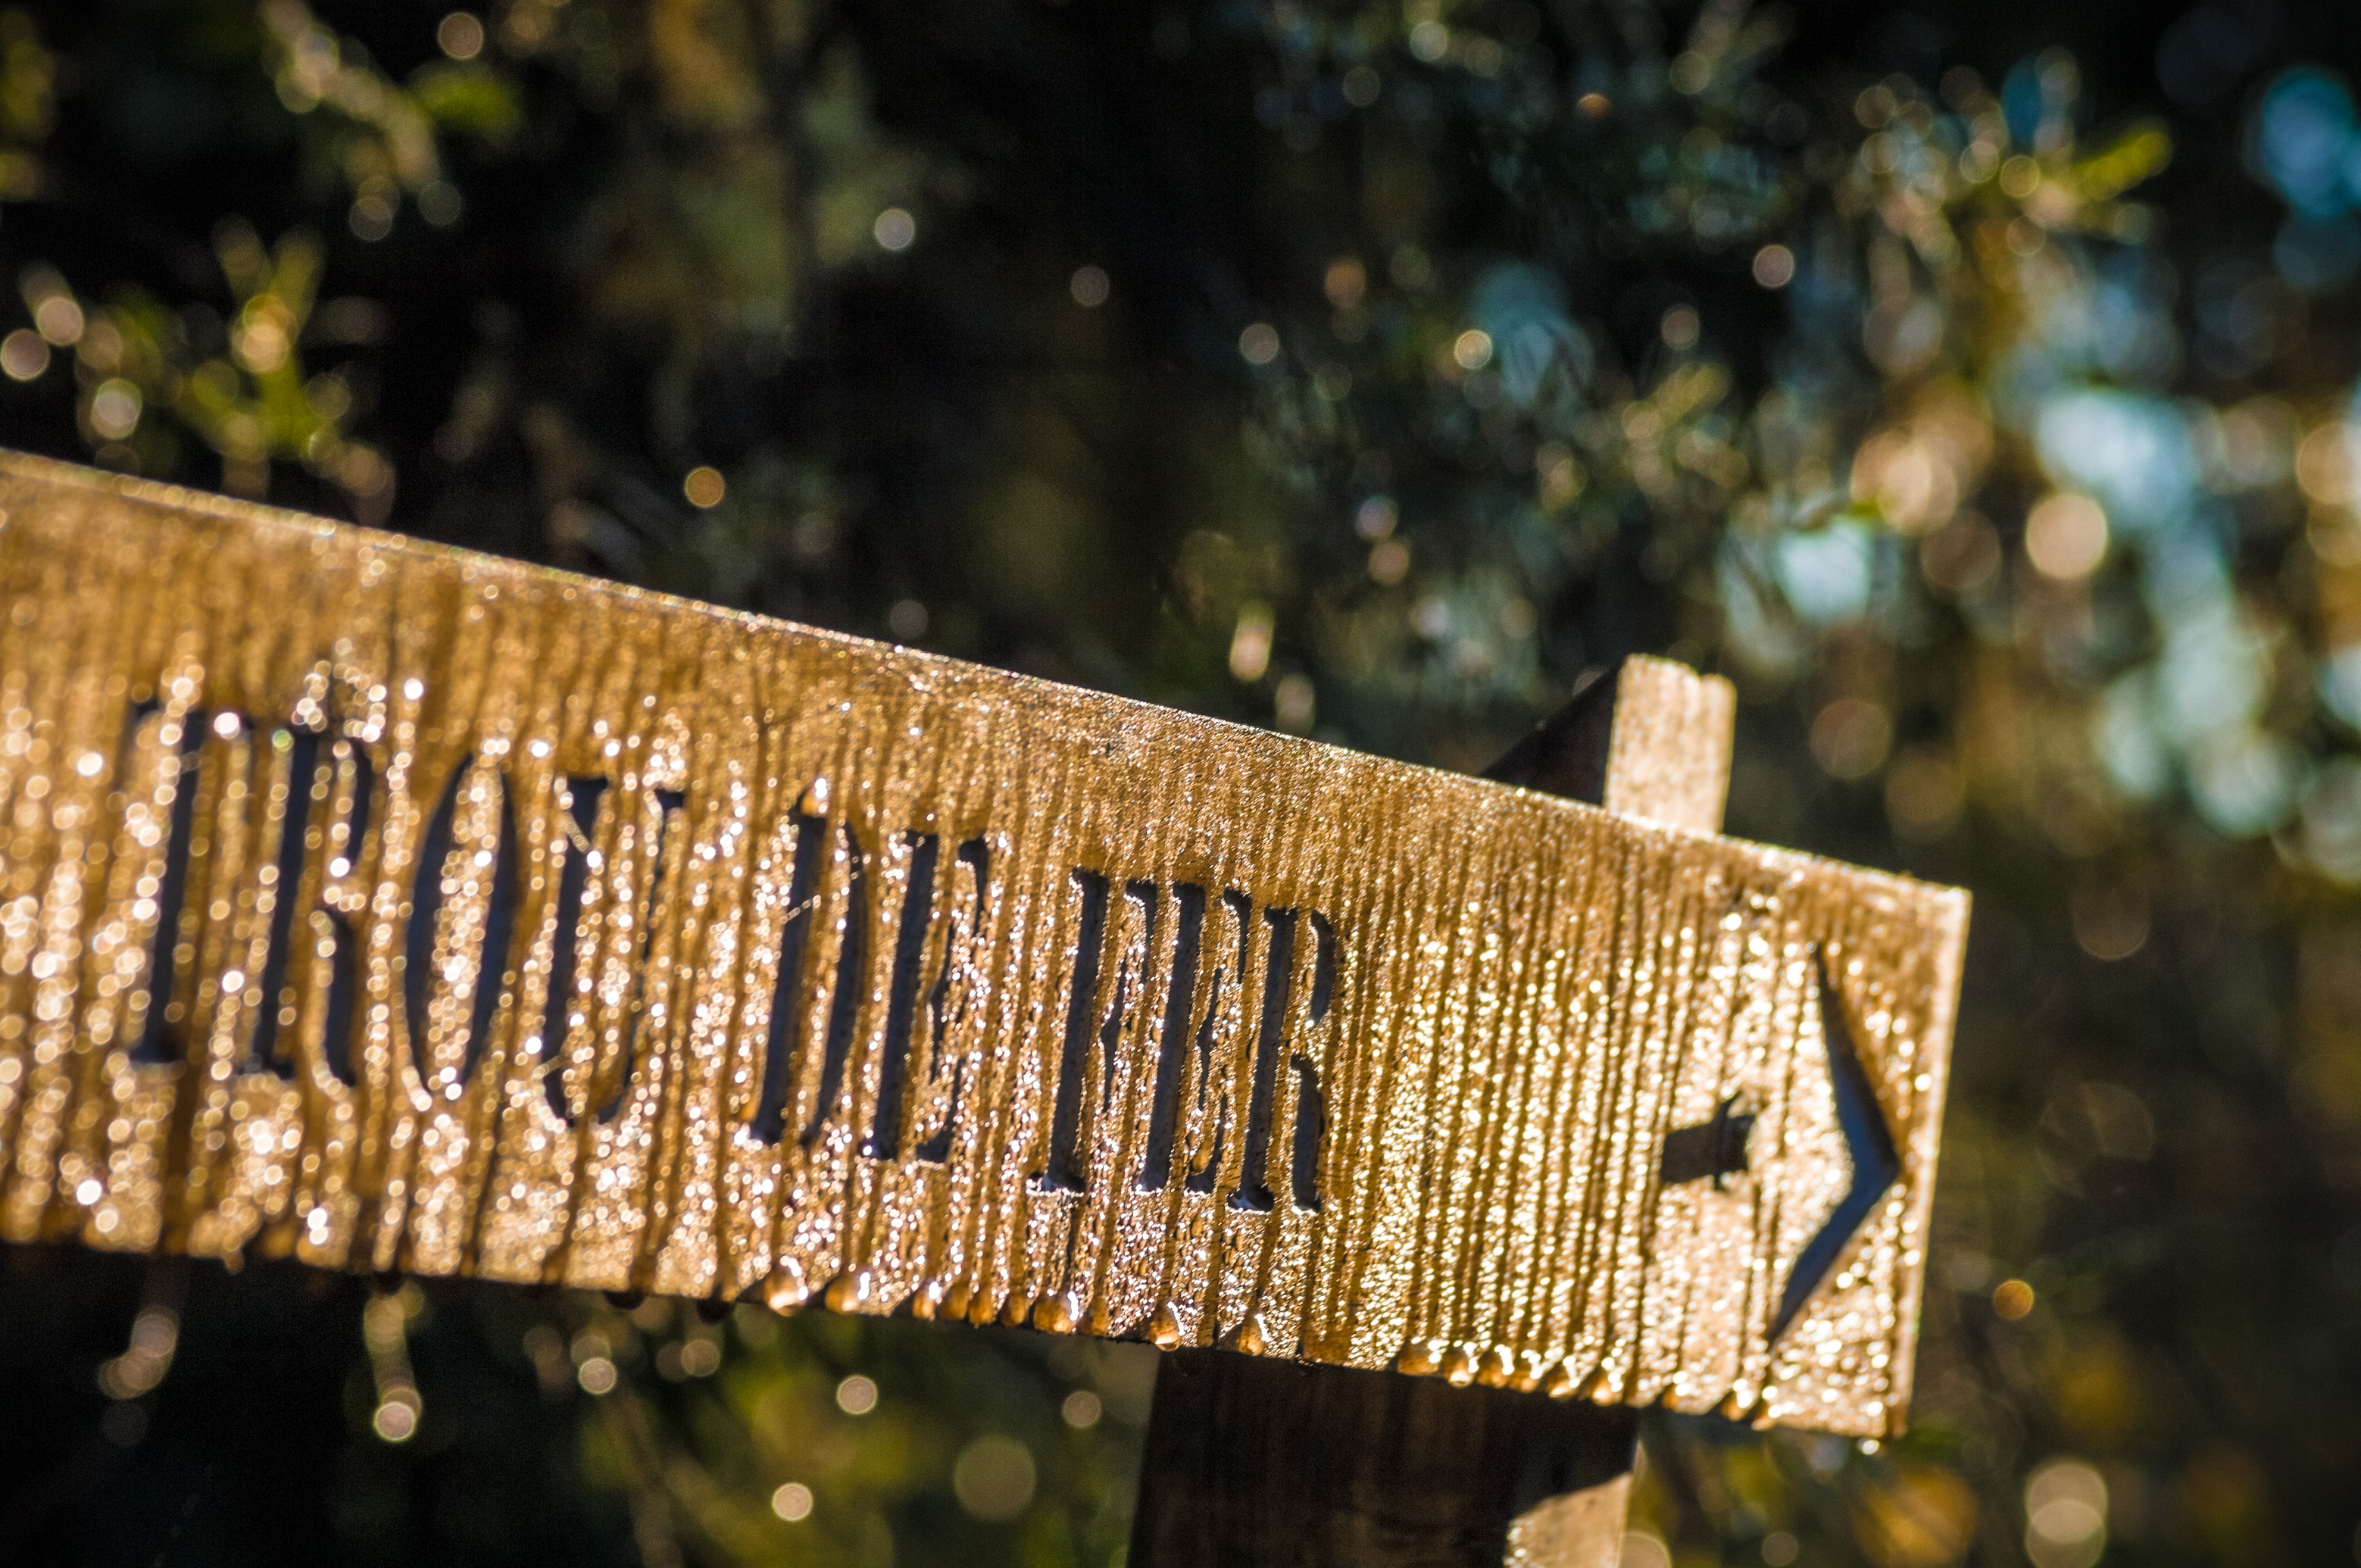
<point x="1868" y="1150"/>
<point x="1781" y="1204"/>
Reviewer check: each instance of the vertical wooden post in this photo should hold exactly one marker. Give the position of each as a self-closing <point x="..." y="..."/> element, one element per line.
<point x="1255" y="1463"/>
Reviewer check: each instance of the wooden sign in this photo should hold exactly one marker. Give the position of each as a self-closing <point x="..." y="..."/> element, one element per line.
<point x="400" y="908"/>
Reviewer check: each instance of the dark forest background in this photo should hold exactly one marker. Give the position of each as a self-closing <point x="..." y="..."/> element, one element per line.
<point x="1972" y="382"/>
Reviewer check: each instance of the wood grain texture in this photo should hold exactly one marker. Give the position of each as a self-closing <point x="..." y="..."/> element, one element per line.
<point x="395" y="908"/>
<point x="1258" y="1463"/>
<point x="1582" y="1528"/>
<point x="1335" y="1468"/>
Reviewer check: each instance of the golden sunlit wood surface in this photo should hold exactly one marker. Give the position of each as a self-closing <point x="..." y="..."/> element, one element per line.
<point x="398" y="908"/>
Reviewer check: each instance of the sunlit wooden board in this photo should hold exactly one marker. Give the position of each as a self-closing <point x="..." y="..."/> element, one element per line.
<point x="400" y="908"/>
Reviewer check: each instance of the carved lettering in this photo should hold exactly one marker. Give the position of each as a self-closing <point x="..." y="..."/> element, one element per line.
<point x="599" y="946"/>
<point x="394" y="908"/>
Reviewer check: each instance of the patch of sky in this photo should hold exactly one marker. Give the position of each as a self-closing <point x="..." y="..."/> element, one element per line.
<point x="2211" y="678"/>
<point x="2023" y="382"/>
<point x="2128" y="450"/>
<point x="2184" y="576"/>
<point x="2021" y="102"/>
<point x="2340" y="684"/>
<point x="2126" y="736"/>
<point x="2304" y="142"/>
<point x="1523" y="310"/>
<point x="2245" y="782"/>
<point x="1769" y="642"/>
<point x="2069" y="330"/>
<point x="1827" y="573"/>
<point x="2306" y="145"/>
<point x="2194" y="709"/>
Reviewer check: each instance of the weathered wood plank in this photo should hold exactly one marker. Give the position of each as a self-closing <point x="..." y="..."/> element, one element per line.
<point x="1305" y="1467"/>
<point x="1252" y="1462"/>
<point x="396" y="907"/>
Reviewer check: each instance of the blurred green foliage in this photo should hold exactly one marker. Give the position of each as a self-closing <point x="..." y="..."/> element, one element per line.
<point x="1975" y="383"/>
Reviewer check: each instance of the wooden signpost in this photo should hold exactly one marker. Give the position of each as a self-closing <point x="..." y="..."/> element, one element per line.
<point x="1255" y="1463"/>
<point x="397" y="909"/>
